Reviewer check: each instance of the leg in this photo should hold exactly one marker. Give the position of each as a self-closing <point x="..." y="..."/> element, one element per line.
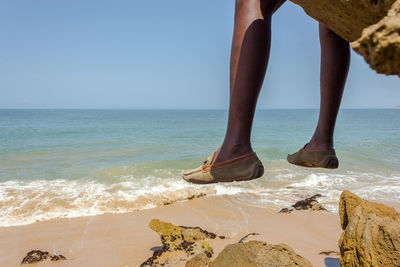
<point x="335" y="60"/>
<point x="249" y="59"/>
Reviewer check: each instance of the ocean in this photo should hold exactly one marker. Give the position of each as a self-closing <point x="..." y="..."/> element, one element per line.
<point x="71" y="163"/>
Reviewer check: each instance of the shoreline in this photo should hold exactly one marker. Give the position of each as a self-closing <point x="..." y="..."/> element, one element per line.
<point x="126" y="240"/>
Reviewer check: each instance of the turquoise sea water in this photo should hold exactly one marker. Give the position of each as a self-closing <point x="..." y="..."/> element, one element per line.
<point x="68" y="163"/>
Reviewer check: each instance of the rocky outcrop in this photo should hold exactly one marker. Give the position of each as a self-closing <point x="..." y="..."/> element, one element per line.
<point x="349" y="202"/>
<point x="371" y="234"/>
<point x="380" y="43"/>
<point x="35" y="256"/>
<point x="310" y="203"/>
<point x="191" y="241"/>
<point x="181" y="243"/>
<point x="373" y="26"/>
<point x="257" y="253"/>
<point x="347" y="18"/>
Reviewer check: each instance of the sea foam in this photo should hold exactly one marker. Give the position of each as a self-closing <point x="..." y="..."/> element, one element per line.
<point x="28" y="202"/>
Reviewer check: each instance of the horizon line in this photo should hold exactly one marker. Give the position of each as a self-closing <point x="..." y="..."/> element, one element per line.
<point x="183" y="109"/>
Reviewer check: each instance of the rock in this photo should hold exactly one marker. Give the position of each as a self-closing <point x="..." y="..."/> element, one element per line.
<point x="310" y="203"/>
<point x="371" y="234"/>
<point x="370" y="240"/>
<point x="156" y="255"/>
<point x="57" y="257"/>
<point x="347" y="18"/>
<point x="200" y="247"/>
<point x="257" y="253"/>
<point x="373" y="26"/>
<point x="197" y="232"/>
<point x="349" y="201"/>
<point x="191" y="240"/>
<point x="380" y="43"/>
<point x="35" y="256"/>
<point x="199" y="260"/>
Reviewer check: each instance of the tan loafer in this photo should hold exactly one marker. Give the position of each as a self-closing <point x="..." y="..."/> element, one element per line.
<point x="243" y="168"/>
<point x="314" y="159"/>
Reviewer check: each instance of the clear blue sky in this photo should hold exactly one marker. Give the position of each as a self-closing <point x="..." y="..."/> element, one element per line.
<point x="159" y="54"/>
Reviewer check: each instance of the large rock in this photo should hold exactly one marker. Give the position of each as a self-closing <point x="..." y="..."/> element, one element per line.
<point x="348" y="18"/>
<point x="257" y="253"/>
<point x="373" y="26"/>
<point x="349" y="201"/>
<point x="178" y="242"/>
<point x="371" y="236"/>
<point x="380" y="43"/>
<point x="190" y="239"/>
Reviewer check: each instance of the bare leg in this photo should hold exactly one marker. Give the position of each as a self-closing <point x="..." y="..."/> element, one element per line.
<point x="335" y="60"/>
<point x="249" y="60"/>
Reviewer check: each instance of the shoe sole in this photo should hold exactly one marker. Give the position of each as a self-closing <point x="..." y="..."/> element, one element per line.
<point x="331" y="163"/>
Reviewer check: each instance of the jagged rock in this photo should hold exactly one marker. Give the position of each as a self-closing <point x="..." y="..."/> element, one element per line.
<point x="257" y="253"/>
<point x="310" y="203"/>
<point x="35" y="256"/>
<point x="191" y="240"/>
<point x="347" y="18"/>
<point x="199" y="260"/>
<point x="372" y="233"/>
<point x="373" y="26"/>
<point x="349" y="201"/>
<point x="380" y="43"/>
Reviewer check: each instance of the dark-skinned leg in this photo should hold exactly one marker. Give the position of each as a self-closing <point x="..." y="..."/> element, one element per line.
<point x="249" y="60"/>
<point x="335" y="60"/>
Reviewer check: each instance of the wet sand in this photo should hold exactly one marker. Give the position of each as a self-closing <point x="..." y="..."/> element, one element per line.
<point x="126" y="239"/>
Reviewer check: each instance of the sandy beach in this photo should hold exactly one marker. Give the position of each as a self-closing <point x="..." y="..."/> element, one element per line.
<point x="126" y="239"/>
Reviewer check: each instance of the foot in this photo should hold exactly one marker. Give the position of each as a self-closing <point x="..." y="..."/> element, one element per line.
<point x="315" y="157"/>
<point x="243" y="168"/>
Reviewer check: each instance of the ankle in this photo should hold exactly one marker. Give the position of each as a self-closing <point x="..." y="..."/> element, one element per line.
<point x="235" y="148"/>
<point x="320" y="144"/>
<point x="230" y="150"/>
<point x="320" y="140"/>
